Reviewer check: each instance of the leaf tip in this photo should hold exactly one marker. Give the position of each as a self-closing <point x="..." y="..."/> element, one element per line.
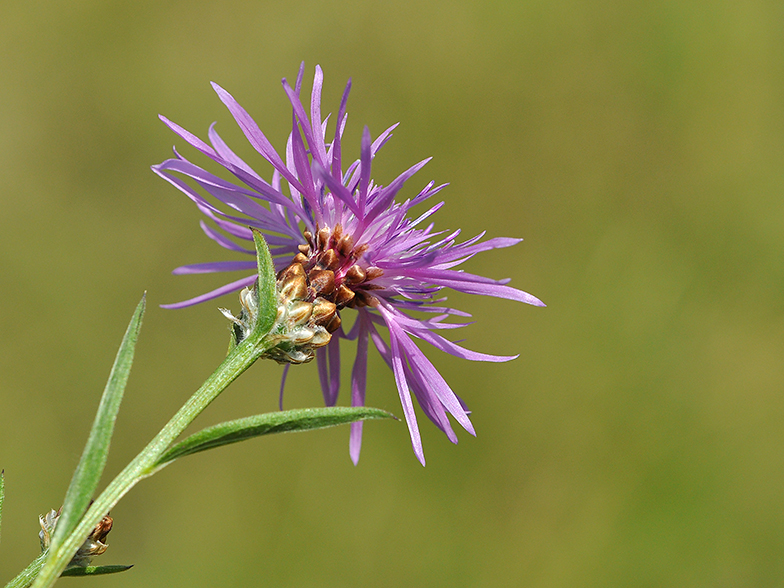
<point x="95" y="570"/>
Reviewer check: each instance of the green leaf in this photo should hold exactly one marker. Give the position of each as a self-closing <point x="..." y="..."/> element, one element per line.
<point x="90" y="468"/>
<point x="269" y="423"/>
<point x="2" y="494"/>
<point x="95" y="570"/>
<point x="268" y="304"/>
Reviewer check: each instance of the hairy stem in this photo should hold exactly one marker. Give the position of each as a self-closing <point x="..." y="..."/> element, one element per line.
<point x="27" y="575"/>
<point x="145" y="464"/>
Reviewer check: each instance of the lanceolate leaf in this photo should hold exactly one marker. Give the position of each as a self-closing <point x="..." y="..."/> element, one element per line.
<point x="266" y="285"/>
<point x="2" y="494"/>
<point x="90" y="468"/>
<point x="266" y="424"/>
<point x="95" y="570"/>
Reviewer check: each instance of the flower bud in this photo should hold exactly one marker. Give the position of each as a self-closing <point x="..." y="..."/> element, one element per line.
<point x="303" y="320"/>
<point x="94" y="545"/>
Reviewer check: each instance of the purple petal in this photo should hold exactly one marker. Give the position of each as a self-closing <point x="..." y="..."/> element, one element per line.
<point x="337" y="163"/>
<point x="227" y="154"/>
<point x="422" y="330"/>
<point x="433" y="410"/>
<point x="323" y="372"/>
<point x="232" y="287"/>
<point x="364" y="173"/>
<point x="337" y="188"/>
<point x="318" y="149"/>
<point x="396" y="357"/>
<point x="283" y="385"/>
<point x="253" y="133"/>
<point x="473" y="284"/>
<point x="333" y="348"/>
<point x="427" y="192"/>
<point x="302" y="165"/>
<point x="192" y="139"/>
<point x="299" y="113"/>
<point x="182" y="186"/>
<point x="233" y="163"/>
<point x="212" y="267"/>
<point x="359" y="384"/>
<point x="427" y="214"/>
<point x="300" y="75"/>
<point x="226" y="192"/>
<point x="456" y="350"/>
<point x="388" y="194"/>
<point x="435" y="382"/>
<point x="222" y="240"/>
<point x="464" y="250"/>
<point x="354" y="331"/>
<point x="328" y="360"/>
<point x="382" y="139"/>
<point x="230" y="194"/>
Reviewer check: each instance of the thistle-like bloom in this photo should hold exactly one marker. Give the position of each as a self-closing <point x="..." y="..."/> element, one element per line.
<point x="356" y="246"/>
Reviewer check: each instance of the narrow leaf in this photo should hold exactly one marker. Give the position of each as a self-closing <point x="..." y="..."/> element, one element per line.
<point x="2" y="494"/>
<point x="269" y="423"/>
<point x="95" y="570"/>
<point x="265" y="285"/>
<point x="90" y="468"/>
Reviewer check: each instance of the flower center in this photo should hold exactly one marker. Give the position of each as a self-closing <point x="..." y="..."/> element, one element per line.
<point x="329" y="266"/>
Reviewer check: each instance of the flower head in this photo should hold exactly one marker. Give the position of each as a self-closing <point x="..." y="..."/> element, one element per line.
<point x="356" y="246"/>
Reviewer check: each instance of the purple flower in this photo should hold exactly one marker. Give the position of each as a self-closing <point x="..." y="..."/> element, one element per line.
<point x="358" y="246"/>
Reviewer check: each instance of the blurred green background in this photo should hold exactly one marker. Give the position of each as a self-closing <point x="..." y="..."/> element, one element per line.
<point x="636" y="146"/>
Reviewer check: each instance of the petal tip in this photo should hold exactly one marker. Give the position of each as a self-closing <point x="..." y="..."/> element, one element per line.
<point x="172" y="306"/>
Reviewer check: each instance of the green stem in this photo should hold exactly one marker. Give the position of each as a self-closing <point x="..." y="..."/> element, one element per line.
<point x="145" y="464"/>
<point x="27" y="575"/>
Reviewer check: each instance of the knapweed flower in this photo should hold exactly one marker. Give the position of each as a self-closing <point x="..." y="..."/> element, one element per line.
<point x="352" y="241"/>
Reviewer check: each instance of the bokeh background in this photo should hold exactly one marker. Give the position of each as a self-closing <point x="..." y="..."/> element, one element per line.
<point x="636" y="146"/>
